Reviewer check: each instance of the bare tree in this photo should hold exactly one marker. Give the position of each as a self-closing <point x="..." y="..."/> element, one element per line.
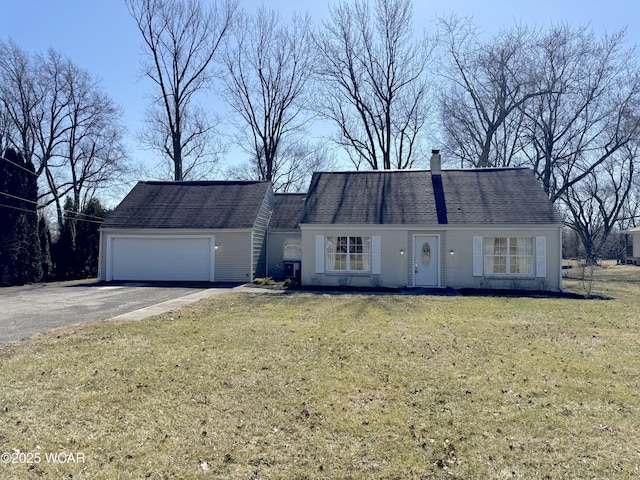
<point x="267" y="68"/>
<point x="301" y="158"/>
<point x="488" y="84"/>
<point x="77" y="131"/>
<point x="595" y="204"/>
<point x="66" y="125"/>
<point x="181" y="39"/>
<point x="590" y="109"/>
<point x="93" y="151"/>
<point x="19" y="97"/>
<point x="372" y="78"/>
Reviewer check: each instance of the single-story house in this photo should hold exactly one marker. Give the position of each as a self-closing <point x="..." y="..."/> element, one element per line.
<point x="633" y="250"/>
<point x="474" y="228"/>
<point x="188" y="231"/>
<point x="466" y="228"/>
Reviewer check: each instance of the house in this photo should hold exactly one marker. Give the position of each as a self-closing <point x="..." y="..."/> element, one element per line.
<point x="188" y="231"/>
<point x="472" y="228"/>
<point x="633" y="250"/>
<point x="477" y="228"/>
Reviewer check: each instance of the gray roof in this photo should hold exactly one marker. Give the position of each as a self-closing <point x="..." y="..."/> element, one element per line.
<point x="287" y="211"/>
<point x="499" y="196"/>
<point x="187" y="205"/>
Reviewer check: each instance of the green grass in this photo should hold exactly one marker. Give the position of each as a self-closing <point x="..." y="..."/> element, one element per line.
<point x="305" y="386"/>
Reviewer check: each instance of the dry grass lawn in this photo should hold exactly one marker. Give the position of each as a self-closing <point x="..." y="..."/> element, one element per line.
<point x="319" y="386"/>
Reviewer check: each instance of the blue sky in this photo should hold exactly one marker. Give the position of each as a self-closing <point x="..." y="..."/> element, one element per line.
<point x="99" y="35"/>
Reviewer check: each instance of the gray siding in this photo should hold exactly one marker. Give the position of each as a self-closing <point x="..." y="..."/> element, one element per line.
<point x="232" y="262"/>
<point x="393" y="262"/>
<point x="275" y="250"/>
<point x="233" y="256"/>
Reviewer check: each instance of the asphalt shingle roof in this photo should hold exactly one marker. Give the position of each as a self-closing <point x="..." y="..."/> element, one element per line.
<point x="287" y="211"/>
<point x="411" y="197"/>
<point x="187" y="205"/>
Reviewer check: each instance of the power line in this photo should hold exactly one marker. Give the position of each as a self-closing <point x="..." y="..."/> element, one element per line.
<point x="18" y="208"/>
<point x="19" y="166"/>
<point x="21" y="199"/>
<point x="66" y="211"/>
<point x="89" y="221"/>
<point x="70" y="212"/>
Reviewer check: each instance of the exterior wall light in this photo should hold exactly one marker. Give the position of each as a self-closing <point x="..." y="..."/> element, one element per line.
<point x="402" y="251"/>
<point x="451" y="252"/>
<point x="216" y="246"/>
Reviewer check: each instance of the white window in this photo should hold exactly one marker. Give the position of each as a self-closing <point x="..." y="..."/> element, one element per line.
<point x="508" y="256"/>
<point x="348" y="254"/>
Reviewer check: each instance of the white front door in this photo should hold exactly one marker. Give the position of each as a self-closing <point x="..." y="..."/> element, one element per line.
<point x="426" y="260"/>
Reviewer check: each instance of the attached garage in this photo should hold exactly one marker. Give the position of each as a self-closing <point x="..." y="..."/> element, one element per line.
<point x="211" y="231"/>
<point x="161" y="258"/>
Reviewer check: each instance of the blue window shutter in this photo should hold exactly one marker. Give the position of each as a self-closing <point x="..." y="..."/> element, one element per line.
<point x="319" y="254"/>
<point x="376" y="255"/>
<point x="541" y="257"/>
<point x="477" y="256"/>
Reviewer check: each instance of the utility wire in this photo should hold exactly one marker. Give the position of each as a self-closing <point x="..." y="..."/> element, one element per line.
<point x="19" y="166"/>
<point x="18" y="208"/>
<point x="21" y="199"/>
<point x="70" y="212"/>
<point x="31" y="211"/>
<point x="39" y="205"/>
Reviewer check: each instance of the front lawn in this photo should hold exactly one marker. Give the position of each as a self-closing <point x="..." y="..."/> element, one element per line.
<point x="312" y="386"/>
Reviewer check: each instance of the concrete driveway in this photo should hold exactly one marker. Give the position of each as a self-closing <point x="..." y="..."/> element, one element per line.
<point x="28" y="310"/>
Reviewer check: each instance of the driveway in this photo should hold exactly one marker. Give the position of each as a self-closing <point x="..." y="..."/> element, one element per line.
<point x="28" y="310"/>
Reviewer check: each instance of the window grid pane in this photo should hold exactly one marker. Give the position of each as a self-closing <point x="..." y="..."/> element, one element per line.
<point x="346" y="254"/>
<point x="509" y="256"/>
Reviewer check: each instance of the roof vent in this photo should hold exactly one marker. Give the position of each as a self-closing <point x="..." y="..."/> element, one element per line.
<point x="436" y="162"/>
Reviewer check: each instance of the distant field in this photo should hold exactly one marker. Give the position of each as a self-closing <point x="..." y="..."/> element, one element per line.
<point x="315" y="386"/>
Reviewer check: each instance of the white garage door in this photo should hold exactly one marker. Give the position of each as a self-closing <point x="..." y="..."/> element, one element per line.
<point x="162" y="258"/>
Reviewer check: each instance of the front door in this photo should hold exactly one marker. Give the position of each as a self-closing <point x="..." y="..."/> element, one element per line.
<point x="426" y="260"/>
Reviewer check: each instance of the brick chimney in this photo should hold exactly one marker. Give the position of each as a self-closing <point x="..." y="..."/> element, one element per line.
<point x="436" y="162"/>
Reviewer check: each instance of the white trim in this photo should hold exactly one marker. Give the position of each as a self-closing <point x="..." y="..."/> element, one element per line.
<point x="560" y="254"/>
<point x="440" y="228"/>
<point x="508" y="274"/>
<point x="376" y="255"/>
<point x="440" y="253"/>
<point x="251" y="253"/>
<point x="320" y="253"/>
<point x="541" y="257"/>
<point x="112" y="237"/>
<point x="478" y="256"/>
